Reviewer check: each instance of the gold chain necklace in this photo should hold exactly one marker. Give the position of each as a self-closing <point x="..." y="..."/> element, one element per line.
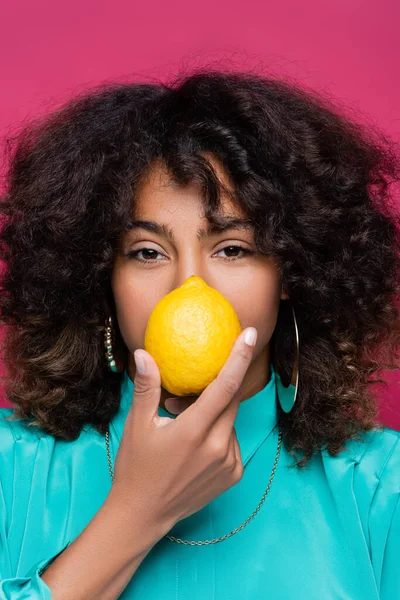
<point x="220" y="539"/>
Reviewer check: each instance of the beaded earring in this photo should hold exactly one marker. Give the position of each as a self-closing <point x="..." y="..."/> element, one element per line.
<point x="108" y="345"/>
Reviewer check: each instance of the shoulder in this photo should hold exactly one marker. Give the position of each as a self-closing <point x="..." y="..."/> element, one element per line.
<point x="368" y="451"/>
<point x="378" y="467"/>
<point x="376" y="451"/>
<point x="368" y="467"/>
<point x="374" y="483"/>
<point x="14" y="429"/>
<point x="28" y="454"/>
<point x="367" y="471"/>
<point x="21" y="444"/>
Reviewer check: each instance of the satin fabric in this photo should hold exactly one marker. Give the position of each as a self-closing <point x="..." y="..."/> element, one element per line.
<point x="330" y="531"/>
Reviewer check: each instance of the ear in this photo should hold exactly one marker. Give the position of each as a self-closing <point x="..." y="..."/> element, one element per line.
<point x="284" y="294"/>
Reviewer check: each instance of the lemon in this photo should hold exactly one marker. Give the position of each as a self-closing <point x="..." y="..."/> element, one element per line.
<point x="190" y="334"/>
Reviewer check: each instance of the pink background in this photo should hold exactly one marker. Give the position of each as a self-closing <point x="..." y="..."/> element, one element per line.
<point x="346" y="48"/>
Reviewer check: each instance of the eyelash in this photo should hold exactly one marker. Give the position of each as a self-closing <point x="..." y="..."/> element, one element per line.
<point x="134" y="254"/>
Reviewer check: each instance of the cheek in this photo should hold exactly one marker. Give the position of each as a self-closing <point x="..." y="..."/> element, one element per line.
<point x="133" y="305"/>
<point x="258" y="307"/>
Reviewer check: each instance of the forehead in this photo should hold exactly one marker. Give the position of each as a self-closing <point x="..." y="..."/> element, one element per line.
<point x="159" y="191"/>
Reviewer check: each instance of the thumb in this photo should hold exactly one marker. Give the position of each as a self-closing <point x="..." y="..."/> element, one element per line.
<point x="147" y="386"/>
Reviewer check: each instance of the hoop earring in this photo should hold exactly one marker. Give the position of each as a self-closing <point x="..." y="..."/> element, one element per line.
<point x="108" y="345"/>
<point x="287" y="394"/>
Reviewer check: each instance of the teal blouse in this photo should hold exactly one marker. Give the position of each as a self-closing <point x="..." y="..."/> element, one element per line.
<point x="330" y="531"/>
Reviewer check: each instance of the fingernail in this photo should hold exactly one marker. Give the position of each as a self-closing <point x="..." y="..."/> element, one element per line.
<point x="140" y="363"/>
<point x="250" y="337"/>
<point x="171" y="407"/>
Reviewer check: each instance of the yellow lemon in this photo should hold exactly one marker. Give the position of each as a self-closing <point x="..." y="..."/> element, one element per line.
<point x="190" y="334"/>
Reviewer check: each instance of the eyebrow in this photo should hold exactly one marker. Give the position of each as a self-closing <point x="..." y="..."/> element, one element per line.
<point x="216" y="225"/>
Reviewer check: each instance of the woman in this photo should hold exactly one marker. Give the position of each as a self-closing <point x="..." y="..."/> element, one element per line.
<point x="277" y="481"/>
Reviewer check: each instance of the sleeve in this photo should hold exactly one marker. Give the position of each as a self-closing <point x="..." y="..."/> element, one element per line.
<point x="30" y="586"/>
<point x="384" y="525"/>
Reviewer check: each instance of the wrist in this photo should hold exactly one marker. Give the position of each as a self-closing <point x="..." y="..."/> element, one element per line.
<point x="133" y="522"/>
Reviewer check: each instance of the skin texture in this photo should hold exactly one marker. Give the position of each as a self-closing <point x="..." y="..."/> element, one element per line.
<point x="137" y="287"/>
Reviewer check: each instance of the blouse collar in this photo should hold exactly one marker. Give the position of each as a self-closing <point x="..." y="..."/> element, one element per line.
<point x="255" y="419"/>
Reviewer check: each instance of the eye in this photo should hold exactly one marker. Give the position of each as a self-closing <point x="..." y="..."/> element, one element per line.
<point x="149" y="254"/>
<point x="234" y="250"/>
<point x="147" y="251"/>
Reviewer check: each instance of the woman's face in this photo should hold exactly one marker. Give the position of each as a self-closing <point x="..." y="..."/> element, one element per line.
<point x="250" y="282"/>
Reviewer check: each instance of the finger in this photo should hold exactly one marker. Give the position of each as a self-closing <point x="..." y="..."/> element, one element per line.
<point x="176" y="406"/>
<point x="238" y="454"/>
<point x="225" y="421"/>
<point x="147" y="387"/>
<point x="223" y="391"/>
<point x="236" y="445"/>
<point x="227" y="417"/>
<point x="233" y="448"/>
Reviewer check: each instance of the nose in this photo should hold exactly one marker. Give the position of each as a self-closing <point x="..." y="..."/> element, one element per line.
<point x="180" y="280"/>
<point x="188" y="265"/>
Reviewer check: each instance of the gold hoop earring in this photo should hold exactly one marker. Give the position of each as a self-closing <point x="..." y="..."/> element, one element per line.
<point x="287" y="394"/>
<point x="108" y="345"/>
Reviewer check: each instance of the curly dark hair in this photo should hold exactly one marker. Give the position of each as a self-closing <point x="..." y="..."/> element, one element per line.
<point x="315" y="184"/>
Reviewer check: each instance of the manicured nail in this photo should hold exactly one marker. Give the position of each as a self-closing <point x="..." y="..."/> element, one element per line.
<point x="250" y="336"/>
<point x="140" y="363"/>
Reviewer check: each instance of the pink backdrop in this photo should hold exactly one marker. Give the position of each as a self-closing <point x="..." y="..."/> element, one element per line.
<point x="347" y="48"/>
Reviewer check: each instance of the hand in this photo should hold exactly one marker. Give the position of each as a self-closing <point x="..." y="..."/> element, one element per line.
<point x="171" y="468"/>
